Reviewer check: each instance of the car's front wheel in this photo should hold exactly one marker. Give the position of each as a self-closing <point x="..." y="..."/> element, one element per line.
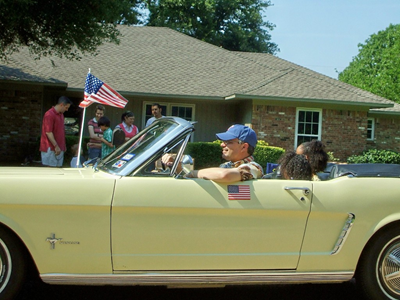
<point x="12" y="266"/>
<point x="378" y="274"/>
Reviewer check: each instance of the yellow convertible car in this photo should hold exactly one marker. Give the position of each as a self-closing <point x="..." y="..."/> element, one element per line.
<point x="129" y="220"/>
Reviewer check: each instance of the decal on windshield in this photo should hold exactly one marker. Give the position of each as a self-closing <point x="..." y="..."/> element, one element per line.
<point x="239" y="192"/>
<point x="119" y="164"/>
<point x="128" y="157"/>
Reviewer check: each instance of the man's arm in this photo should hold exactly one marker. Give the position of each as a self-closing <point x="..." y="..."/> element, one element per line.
<point x="94" y="135"/>
<point x="52" y="140"/>
<point x="217" y="174"/>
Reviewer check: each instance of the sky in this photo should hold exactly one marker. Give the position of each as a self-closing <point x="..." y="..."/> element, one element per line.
<point x="323" y="35"/>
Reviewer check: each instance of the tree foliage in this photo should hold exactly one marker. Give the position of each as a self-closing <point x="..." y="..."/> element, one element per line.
<point x="377" y="66"/>
<point x="71" y="28"/>
<point x="66" y="28"/>
<point x="232" y="24"/>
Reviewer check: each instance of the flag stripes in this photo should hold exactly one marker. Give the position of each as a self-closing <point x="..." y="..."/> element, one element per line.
<point x="100" y="92"/>
<point x="238" y="192"/>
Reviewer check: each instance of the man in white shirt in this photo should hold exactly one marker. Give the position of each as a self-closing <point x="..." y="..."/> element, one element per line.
<point x="156" y="112"/>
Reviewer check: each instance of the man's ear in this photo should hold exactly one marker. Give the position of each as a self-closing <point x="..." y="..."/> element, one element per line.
<point x="245" y="146"/>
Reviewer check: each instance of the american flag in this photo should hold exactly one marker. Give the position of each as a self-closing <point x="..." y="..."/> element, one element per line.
<point x="100" y="92"/>
<point x="238" y="192"/>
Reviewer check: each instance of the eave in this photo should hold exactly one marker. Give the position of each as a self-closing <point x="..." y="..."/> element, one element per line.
<point x="308" y="101"/>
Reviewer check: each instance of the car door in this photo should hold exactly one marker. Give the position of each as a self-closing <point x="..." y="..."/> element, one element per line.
<point x="195" y="224"/>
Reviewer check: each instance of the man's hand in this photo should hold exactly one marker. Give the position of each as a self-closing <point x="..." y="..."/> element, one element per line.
<point x="57" y="150"/>
<point x="52" y="140"/>
<point x="168" y="159"/>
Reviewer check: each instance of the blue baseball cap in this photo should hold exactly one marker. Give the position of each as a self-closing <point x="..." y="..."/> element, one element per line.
<point x="241" y="132"/>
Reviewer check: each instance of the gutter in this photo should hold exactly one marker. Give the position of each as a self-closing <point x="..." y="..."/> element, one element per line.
<point x="159" y="95"/>
<point x="302" y="100"/>
<point x="44" y="83"/>
<point x="375" y="112"/>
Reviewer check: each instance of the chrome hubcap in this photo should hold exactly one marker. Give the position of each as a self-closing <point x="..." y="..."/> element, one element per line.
<point x="389" y="270"/>
<point x="5" y="265"/>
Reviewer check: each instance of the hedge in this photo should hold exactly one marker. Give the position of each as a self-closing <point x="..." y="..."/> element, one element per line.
<point x="375" y="156"/>
<point x="267" y="154"/>
<point x="205" y="154"/>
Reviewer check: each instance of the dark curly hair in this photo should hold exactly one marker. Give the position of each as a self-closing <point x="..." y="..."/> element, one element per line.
<point x="316" y="155"/>
<point x="295" y="166"/>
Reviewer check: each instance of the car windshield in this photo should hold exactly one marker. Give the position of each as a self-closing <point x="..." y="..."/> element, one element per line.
<point x="136" y="150"/>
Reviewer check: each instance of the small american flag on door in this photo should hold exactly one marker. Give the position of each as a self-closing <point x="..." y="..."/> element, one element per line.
<point x="238" y="192"/>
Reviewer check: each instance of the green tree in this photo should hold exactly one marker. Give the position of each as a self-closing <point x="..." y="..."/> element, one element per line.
<point x="66" y="28"/>
<point x="377" y="66"/>
<point x="232" y="24"/>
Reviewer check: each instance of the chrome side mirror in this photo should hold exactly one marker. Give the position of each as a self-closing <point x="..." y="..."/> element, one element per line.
<point x="187" y="164"/>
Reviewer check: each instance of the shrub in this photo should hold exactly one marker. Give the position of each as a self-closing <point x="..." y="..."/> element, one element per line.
<point x="205" y="154"/>
<point x="375" y="156"/>
<point x="332" y="158"/>
<point x="267" y="154"/>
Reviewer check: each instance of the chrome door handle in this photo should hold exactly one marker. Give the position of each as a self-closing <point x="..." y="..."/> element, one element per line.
<point x="306" y="190"/>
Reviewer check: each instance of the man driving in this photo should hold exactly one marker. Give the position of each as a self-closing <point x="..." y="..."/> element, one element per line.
<point x="238" y="144"/>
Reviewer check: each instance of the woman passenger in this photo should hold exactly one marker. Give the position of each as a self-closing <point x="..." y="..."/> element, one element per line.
<point x="314" y="151"/>
<point x="295" y="166"/>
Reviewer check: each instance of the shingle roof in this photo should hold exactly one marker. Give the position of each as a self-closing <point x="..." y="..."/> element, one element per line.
<point x="300" y="82"/>
<point x="153" y="60"/>
<point x="395" y="110"/>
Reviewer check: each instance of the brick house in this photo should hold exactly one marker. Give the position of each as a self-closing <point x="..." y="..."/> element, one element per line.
<point x="283" y="102"/>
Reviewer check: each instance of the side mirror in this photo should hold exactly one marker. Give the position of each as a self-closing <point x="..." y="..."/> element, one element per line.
<point x="187" y="164"/>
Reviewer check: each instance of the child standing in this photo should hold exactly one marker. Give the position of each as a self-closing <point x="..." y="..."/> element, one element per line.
<point x="106" y="146"/>
<point x="74" y="149"/>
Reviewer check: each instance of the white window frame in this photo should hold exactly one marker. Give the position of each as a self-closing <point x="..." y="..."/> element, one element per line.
<point x="306" y="109"/>
<point x="169" y="109"/>
<point x="372" y="129"/>
<point x="170" y="105"/>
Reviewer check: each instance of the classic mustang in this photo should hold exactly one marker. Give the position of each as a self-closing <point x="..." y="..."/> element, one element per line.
<point x="128" y="220"/>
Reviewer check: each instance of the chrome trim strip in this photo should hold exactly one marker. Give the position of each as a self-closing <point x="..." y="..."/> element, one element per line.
<point x="190" y="278"/>
<point x="344" y="234"/>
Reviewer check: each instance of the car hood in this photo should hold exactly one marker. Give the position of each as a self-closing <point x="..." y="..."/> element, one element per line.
<point x="44" y="171"/>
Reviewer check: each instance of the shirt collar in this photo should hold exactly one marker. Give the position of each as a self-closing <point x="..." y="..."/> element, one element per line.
<point x="55" y="111"/>
<point x="126" y="126"/>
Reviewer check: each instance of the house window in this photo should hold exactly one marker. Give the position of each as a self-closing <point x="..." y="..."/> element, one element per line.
<point x="308" y="125"/>
<point x="371" y="129"/>
<point x="184" y="111"/>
